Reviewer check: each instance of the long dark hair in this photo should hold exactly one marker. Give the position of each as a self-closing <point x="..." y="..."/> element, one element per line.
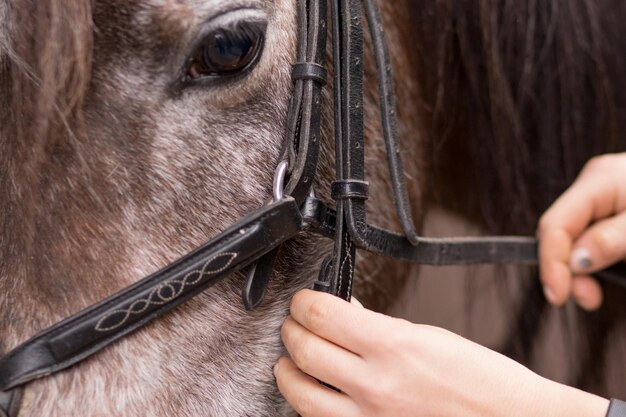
<point x="516" y="97"/>
<point x="46" y="68"/>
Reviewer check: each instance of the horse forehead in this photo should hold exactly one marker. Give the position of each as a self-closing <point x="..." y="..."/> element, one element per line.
<point x="138" y="26"/>
<point x="185" y="13"/>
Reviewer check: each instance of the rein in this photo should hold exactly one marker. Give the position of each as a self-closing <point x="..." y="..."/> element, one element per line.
<point x="253" y="243"/>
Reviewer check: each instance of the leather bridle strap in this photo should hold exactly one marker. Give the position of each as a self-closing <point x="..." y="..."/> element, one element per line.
<point x="10" y="402"/>
<point x="350" y="190"/>
<point x="91" y="330"/>
<point x="302" y="135"/>
<point x="337" y="272"/>
<point x="431" y="251"/>
<point x="389" y="119"/>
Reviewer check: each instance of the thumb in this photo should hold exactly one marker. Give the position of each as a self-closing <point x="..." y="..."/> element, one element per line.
<point x="356" y="302"/>
<point x="601" y="245"/>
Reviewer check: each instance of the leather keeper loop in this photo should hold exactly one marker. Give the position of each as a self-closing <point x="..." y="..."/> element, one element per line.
<point x="342" y="190"/>
<point x="310" y="71"/>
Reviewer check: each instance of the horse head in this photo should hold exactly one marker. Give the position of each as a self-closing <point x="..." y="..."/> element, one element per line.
<point x="131" y="133"/>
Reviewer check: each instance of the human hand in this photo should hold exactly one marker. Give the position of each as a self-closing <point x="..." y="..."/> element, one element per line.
<point x="390" y="367"/>
<point x="584" y="231"/>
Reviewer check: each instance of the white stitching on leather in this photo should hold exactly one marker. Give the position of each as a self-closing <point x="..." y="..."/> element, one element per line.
<point x="347" y="258"/>
<point x="158" y="297"/>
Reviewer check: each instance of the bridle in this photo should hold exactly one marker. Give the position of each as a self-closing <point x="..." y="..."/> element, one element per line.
<point x="253" y="243"/>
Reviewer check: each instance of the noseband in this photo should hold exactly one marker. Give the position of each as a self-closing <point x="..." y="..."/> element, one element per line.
<point x="253" y="243"/>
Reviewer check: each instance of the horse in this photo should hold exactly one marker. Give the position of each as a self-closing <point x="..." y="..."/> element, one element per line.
<point x="125" y="143"/>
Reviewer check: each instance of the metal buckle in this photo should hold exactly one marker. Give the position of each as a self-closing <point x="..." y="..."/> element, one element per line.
<point x="279" y="181"/>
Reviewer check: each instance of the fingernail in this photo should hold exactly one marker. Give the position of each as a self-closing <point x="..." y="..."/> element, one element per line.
<point x="549" y="294"/>
<point x="276" y="368"/>
<point x="580" y="260"/>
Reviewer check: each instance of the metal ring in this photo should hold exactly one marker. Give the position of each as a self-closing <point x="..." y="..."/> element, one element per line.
<point x="279" y="181"/>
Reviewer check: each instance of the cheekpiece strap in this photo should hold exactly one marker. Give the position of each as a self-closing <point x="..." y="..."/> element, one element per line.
<point x="310" y="71"/>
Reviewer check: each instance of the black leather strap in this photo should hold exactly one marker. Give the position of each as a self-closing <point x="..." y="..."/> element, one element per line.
<point x="302" y="137"/>
<point x="617" y="408"/>
<point x="324" y="279"/>
<point x="430" y="251"/>
<point x="301" y="142"/>
<point x="10" y="402"/>
<point x="352" y="146"/>
<point x="444" y="251"/>
<point x="257" y="279"/>
<point x="87" y="332"/>
<point x="348" y="59"/>
<point x="319" y="218"/>
<point x="341" y="190"/>
<point x="310" y="71"/>
<point x="389" y="118"/>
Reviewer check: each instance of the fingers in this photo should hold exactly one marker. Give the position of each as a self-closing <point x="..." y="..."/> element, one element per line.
<point x="593" y="196"/>
<point x="554" y="252"/>
<point x="308" y="397"/>
<point x="356" y="302"/>
<point x="337" y="321"/>
<point x="320" y="358"/>
<point x="603" y="244"/>
<point x="587" y="293"/>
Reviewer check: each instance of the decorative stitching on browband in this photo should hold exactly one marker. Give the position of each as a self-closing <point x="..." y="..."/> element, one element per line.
<point x="309" y="71"/>
<point x="166" y="292"/>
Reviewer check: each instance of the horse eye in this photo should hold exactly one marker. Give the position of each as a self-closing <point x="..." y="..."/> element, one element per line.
<point x="229" y="51"/>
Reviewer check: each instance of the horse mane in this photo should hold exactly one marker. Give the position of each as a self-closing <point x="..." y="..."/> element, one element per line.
<point x="530" y="90"/>
<point x="47" y="67"/>
<point x="516" y="97"/>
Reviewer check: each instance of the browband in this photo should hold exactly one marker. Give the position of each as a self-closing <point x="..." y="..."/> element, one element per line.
<point x="96" y="327"/>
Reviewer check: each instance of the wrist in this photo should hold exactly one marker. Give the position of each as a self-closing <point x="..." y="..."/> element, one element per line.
<point x="565" y="401"/>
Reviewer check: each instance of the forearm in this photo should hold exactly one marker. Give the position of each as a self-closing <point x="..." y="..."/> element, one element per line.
<point x="502" y="387"/>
